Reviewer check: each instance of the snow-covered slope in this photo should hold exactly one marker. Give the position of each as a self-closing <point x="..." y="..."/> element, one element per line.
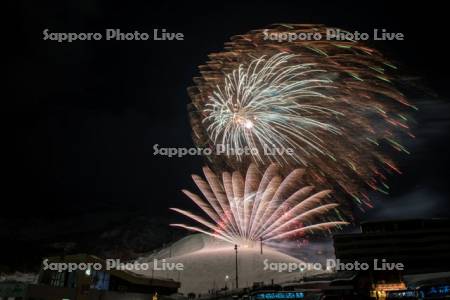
<point x="210" y="264"/>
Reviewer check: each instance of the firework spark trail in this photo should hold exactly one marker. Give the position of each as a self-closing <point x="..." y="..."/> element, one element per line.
<point x="334" y="103"/>
<point x="241" y="114"/>
<point x="251" y="208"/>
<point x="283" y="214"/>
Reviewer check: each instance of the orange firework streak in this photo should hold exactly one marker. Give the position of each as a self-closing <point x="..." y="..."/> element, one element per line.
<point x="333" y="103"/>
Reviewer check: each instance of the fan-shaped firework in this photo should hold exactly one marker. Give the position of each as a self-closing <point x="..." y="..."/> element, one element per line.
<point x="245" y="210"/>
<point x="331" y="103"/>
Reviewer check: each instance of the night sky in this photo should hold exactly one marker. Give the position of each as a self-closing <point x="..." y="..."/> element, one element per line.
<point x="81" y="118"/>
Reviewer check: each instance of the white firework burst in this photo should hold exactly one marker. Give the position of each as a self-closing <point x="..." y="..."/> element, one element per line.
<point x="245" y="210"/>
<point x="272" y="103"/>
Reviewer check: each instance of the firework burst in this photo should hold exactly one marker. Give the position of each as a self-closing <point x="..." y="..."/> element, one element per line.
<point x="272" y="104"/>
<point x="246" y="210"/>
<point x="331" y="104"/>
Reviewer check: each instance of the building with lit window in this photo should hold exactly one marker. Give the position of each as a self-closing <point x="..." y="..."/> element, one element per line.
<point x="88" y="284"/>
<point x="421" y="246"/>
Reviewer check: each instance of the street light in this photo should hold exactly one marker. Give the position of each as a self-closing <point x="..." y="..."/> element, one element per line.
<point x="226" y="281"/>
<point x="237" y="280"/>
